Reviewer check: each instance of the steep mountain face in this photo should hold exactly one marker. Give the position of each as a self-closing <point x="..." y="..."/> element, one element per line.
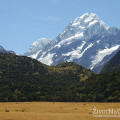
<point x="36" y="47"/>
<point x="2" y="50"/>
<point x="113" y="65"/>
<point x="87" y="40"/>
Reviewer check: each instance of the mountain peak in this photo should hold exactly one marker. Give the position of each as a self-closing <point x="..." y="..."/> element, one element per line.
<point x="86" y="40"/>
<point x="92" y="14"/>
<point x="88" y="20"/>
<point x="84" y="15"/>
<point x="41" y="41"/>
<point x="36" y="47"/>
<point x="87" y="15"/>
<point x="2" y="50"/>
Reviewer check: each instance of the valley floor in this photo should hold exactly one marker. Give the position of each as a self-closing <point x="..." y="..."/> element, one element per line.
<point x="54" y="110"/>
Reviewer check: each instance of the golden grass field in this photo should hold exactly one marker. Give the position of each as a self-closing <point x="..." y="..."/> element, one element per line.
<point x="53" y="110"/>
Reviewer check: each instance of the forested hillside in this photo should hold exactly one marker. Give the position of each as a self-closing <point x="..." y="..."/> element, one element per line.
<point x="26" y="79"/>
<point x="99" y="88"/>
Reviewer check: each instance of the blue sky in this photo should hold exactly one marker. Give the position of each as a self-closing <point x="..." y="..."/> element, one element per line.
<point x="24" y="21"/>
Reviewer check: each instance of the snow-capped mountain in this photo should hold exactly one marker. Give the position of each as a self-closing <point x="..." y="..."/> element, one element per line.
<point x="87" y="41"/>
<point x="2" y="50"/>
<point x="36" y="47"/>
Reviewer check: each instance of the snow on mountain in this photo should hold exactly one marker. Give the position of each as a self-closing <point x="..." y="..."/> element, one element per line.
<point x="102" y="53"/>
<point x="36" y="47"/>
<point x="87" y="41"/>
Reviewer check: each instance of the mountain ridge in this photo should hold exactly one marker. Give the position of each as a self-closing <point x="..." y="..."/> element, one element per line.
<point x="36" y="47"/>
<point x="2" y="50"/>
<point x="87" y="40"/>
<point x="113" y="65"/>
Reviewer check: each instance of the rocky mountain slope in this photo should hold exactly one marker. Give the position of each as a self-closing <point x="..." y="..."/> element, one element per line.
<point x="113" y="65"/>
<point x="36" y="47"/>
<point x="87" y="40"/>
<point x="2" y="50"/>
